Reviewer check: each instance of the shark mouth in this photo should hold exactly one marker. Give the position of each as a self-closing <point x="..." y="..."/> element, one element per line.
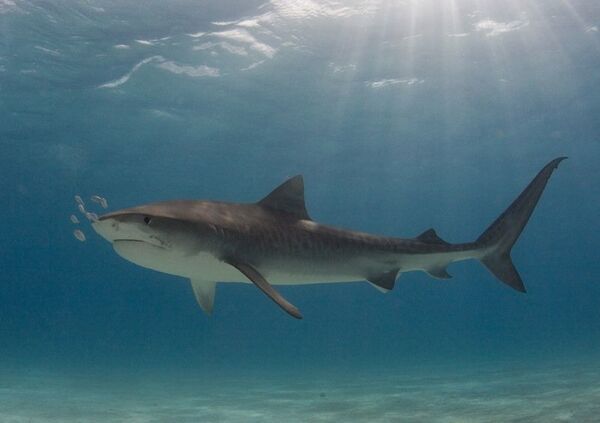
<point x="161" y="245"/>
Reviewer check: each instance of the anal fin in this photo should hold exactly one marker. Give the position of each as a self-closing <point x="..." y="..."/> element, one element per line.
<point x="205" y="294"/>
<point x="255" y="277"/>
<point x="385" y="281"/>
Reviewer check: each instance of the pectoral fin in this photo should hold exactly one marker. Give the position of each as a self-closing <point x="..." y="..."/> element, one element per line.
<point x="258" y="280"/>
<point x="205" y="294"/>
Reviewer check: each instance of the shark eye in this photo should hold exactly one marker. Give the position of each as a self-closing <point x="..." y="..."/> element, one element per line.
<point x="147" y="220"/>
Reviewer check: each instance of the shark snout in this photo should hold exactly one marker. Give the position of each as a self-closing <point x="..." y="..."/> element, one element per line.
<point x="115" y="228"/>
<point x="106" y="228"/>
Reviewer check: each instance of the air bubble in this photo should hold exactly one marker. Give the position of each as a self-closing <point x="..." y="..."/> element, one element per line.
<point x="92" y="217"/>
<point x="74" y="219"/>
<point x="81" y="208"/>
<point x="100" y="200"/>
<point x="78" y="200"/>
<point x="79" y="235"/>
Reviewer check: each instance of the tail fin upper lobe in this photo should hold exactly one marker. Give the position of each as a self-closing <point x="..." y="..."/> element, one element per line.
<point x="499" y="238"/>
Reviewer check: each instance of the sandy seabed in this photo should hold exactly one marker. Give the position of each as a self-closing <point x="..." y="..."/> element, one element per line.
<point x="480" y="393"/>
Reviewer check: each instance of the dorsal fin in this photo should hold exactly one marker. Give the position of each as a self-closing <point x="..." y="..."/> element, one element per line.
<point x="430" y="237"/>
<point x="288" y="197"/>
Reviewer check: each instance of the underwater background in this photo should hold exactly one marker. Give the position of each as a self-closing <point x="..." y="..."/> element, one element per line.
<point x="401" y="115"/>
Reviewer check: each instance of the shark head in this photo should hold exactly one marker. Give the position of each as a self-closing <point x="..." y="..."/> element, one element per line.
<point x="140" y="224"/>
<point x="151" y="235"/>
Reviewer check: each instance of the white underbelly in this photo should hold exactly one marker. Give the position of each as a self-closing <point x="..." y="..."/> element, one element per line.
<point x="206" y="266"/>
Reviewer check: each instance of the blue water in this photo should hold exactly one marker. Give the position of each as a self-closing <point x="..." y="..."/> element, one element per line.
<point x="400" y="115"/>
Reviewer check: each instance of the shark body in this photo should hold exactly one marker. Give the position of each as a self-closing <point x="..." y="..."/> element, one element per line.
<point x="274" y="241"/>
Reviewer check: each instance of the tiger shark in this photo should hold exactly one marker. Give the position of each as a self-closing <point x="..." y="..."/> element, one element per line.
<point x="275" y="242"/>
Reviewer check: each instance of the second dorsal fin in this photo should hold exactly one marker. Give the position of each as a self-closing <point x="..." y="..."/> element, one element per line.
<point x="430" y="237"/>
<point x="288" y="197"/>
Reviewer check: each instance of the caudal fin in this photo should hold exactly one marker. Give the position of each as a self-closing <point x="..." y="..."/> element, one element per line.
<point x="499" y="238"/>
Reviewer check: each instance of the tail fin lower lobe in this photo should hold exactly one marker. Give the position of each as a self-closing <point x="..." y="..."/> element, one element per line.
<point x="499" y="238"/>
